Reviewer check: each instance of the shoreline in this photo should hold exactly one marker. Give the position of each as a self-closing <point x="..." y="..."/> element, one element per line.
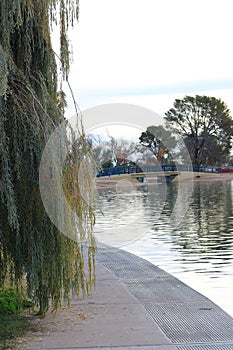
<point x="124" y="181"/>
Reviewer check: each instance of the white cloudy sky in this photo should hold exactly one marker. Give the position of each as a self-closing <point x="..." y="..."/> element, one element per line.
<point x="152" y="51"/>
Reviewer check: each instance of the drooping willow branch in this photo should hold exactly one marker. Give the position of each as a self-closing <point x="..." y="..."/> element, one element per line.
<point x="31" y="107"/>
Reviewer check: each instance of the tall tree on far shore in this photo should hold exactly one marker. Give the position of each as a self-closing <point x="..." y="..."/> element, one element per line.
<point x="206" y="127"/>
<point x="31" y="106"/>
<point x="159" y="141"/>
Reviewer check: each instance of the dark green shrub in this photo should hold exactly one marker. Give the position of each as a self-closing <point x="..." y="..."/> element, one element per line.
<point x="12" y="301"/>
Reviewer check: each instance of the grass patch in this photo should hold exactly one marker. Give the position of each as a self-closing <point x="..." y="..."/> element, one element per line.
<point x="12" y="323"/>
<point x="12" y="327"/>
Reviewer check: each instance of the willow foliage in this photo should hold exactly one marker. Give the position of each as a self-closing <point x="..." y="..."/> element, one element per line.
<point x="30" y="108"/>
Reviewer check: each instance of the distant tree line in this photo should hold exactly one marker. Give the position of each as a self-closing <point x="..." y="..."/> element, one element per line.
<point x="197" y="129"/>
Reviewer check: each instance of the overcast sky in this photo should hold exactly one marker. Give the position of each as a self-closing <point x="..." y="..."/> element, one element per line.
<point x="152" y="51"/>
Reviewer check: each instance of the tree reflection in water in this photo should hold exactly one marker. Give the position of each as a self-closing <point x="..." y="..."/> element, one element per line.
<point x="199" y="251"/>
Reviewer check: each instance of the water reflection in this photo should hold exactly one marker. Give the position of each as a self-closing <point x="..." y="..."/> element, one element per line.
<point x="206" y="231"/>
<point x="199" y="251"/>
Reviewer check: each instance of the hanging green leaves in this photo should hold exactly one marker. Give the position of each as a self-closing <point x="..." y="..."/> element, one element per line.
<point x="31" y="247"/>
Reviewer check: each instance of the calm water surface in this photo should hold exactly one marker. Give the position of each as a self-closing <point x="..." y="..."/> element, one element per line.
<point x="145" y="220"/>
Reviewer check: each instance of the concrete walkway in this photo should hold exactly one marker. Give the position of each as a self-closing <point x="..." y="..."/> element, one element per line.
<point x="136" y="306"/>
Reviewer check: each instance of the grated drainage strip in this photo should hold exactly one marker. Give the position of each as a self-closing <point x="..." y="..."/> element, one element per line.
<point x="132" y="271"/>
<point x="206" y="347"/>
<point x="185" y="316"/>
<point x="163" y="291"/>
<point x="192" y="322"/>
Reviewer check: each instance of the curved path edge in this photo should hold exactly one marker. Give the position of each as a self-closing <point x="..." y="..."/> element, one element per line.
<point x="137" y="306"/>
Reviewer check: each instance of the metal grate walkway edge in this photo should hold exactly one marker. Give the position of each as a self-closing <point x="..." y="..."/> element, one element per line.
<point x="190" y="320"/>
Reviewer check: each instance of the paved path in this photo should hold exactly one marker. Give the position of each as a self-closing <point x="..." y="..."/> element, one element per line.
<point x="137" y="306"/>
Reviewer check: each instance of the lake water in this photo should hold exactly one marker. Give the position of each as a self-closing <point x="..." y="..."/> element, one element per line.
<point x="185" y="229"/>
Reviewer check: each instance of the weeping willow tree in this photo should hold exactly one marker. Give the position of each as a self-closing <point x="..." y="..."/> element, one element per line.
<point x="31" y="106"/>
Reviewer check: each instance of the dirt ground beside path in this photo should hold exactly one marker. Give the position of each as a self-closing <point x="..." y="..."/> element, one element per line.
<point x="72" y="319"/>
